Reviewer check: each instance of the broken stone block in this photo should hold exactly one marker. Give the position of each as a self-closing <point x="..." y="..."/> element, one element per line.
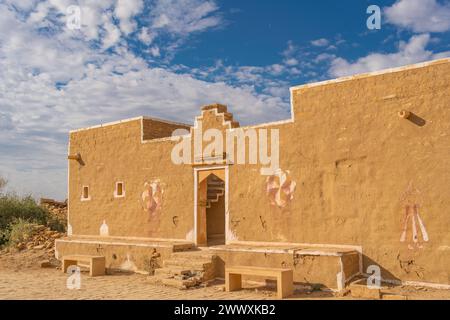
<point x="360" y="289"/>
<point x="174" y="283"/>
<point x="394" y="297"/>
<point x="342" y="293"/>
<point x="45" y="264"/>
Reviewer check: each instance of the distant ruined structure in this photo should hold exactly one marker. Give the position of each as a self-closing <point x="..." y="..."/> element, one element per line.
<point x="362" y="180"/>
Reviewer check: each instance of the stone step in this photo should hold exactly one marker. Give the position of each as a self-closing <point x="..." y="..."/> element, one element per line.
<point x="186" y="269"/>
<point x="215" y="182"/>
<point x="390" y="296"/>
<point x="228" y="116"/>
<point x="173" y="271"/>
<point x="216" y="185"/>
<point x="199" y="254"/>
<point x="214" y="198"/>
<point x="186" y="264"/>
<point x="360" y="290"/>
<point x="183" y="246"/>
<point x="219" y="107"/>
<point x="181" y="284"/>
<point x="216" y="192"/>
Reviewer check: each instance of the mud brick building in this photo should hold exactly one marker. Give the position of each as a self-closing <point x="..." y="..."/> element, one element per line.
<point x="363" y="179"/>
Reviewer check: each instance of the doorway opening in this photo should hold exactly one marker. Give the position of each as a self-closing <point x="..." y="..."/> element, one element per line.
<point x="211" y="208"/>
<point x="215" y="211"/>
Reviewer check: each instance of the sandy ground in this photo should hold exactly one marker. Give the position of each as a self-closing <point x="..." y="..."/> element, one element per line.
<point x="22" y="278"/>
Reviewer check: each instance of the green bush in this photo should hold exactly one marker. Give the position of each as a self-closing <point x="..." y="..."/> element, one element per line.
<point x="20" y="230"/>
<point x="14" y="208"/>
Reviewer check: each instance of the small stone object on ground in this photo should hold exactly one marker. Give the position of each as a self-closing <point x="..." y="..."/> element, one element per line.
<point x="45" y="264"/>
<point x="421" y="288"/>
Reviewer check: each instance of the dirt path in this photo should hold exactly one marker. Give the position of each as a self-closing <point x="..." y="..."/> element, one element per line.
<point x="21" y="278"/>
<point x="51" y="284"/>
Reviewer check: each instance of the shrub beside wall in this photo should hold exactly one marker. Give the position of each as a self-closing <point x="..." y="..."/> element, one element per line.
<point x="16" y="213"/>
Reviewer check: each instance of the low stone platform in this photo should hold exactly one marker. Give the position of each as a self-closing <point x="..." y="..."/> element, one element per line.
<point x="178" y="262"/>
<point x="319" y="266"/>
<point x="125" y="254"/>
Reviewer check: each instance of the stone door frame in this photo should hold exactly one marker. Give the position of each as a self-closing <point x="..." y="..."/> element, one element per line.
<point x="197" y="172"/>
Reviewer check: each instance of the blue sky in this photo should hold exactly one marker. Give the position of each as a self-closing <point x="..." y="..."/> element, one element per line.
<point x="166" y="58"/>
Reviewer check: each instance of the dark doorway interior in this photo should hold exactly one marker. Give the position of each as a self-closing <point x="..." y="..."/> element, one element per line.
<point x="215" y="211"/>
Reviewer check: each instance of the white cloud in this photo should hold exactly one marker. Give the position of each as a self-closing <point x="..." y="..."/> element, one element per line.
<point x="146" y="36"/>
<point x="408" y="53"/>
<point x="154" y="51"/>
<point x="107" y="22"/>
<point x="420" y="15"/>
<point x="5" y="122"/>
<point x="291" y="62"/>
<point x="51" y="83"/>
<point x="125" y="10"/>
<point x="182" y="17"/>
<point x="23" y="4"/>
<point x="112" y="35"/>
<point x="290" y="50"/>
<point x="324" y="57"/>
<point x="320" y="42"/>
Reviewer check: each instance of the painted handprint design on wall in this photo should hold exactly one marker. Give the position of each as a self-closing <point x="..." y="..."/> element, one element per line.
<point x="411" y="201"/>
<point x="280" y="188"/>
<point x="152" y="197"/>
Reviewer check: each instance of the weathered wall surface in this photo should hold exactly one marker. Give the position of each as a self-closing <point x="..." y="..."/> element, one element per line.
<point x="353" y="173"/>
<point x="156" y="129"/>
<point x="306" y="270"/>
<point x="158" y="194"/>
<point x="358" y="167"/>
<point x="120" y="257"/>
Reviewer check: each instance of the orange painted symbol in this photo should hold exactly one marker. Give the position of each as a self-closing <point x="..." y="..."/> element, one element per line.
<point x="280" y="188"/>
<point x="412" y="221"/>
<point x="152" y="197"/>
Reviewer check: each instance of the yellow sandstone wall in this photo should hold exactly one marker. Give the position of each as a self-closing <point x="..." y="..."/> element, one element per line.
<point x="355" y="164"/>
<point x="115" y="153"/>
<point x="352" y="158"/>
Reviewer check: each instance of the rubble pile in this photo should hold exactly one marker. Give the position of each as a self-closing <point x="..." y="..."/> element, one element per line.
<point x="41" y="238"/>
<point x="56" y="208"/>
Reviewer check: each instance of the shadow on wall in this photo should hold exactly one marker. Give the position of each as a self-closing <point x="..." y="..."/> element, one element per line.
<point x="412" y="117"/>
<point x="385" y="274"/>
<point x="417" y="120"/>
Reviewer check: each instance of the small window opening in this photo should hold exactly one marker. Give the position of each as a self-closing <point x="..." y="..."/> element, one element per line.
<point x="85" y="194"/>
<point x="120" y="190"/>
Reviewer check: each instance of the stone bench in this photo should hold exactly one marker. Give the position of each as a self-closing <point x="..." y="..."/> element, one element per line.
<point x="96" y="263"/>
<point x="284" y="277"/>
